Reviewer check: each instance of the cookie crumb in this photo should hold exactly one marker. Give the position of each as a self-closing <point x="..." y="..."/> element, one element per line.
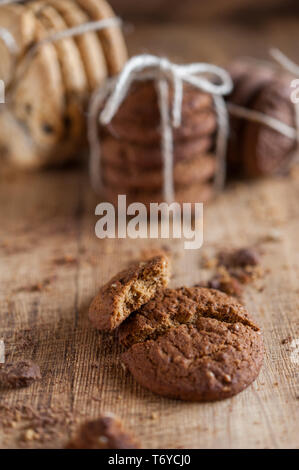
<point x="19" y="374"/>
<point x="107" y="432"/>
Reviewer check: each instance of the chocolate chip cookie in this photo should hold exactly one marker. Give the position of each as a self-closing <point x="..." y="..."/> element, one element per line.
<point x="128" y="291"/>
<point x="192" y="344"/>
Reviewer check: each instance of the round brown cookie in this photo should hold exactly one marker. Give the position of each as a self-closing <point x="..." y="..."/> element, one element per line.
<point x="192" y="194"/>
<point x="19" y="22"/>
<point x="127" y="291"/>
<point x="142" y="102"/>
<point x="200" y="124"/>
<point x="123" y="155"/>
<point x="107" y="432"/>
<point x="111" y="38"/>
<point x="198" y="170"/>
<point x="192" y="344"/>
<point x="89" y="44"/>
<point x="249" y="77"/>
<point x="264" y="151"/>
<point x="37" y="98"/>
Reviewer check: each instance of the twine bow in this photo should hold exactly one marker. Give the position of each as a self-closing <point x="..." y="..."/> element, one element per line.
<point x="206" y="77"/>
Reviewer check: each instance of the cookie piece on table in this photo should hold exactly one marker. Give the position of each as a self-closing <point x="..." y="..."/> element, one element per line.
<point x="19" y="374"/>
<point x="192" y="344"/>
<point x="112" y="40"/>
<point x="198" y="170"/>
<point x="128" y="291"/>
<point x="124" y="155"/>
<point x="107" y="432"/>
<point x="89" y="44"/>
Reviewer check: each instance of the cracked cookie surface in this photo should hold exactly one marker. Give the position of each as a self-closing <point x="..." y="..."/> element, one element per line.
<point x="128" y="291"/>
<point x="193" y="344"/>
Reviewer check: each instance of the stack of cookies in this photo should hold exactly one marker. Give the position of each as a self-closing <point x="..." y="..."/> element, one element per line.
<point x="132" y="161"/>
<point x="48" y="84"/>
<point x="256" y="150"/>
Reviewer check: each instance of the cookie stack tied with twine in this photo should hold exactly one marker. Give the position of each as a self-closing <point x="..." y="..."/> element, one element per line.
<point x="264" y="123"/>
<point x="54" y="54"/>
<point x="152" y="132"/>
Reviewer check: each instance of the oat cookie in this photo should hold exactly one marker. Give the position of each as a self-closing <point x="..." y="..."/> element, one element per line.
<point x="201" y="124"/>
<point x="107" y="432"/>
<point x="127" y="291"/>
<point x="192" y="344"/>
<point x="198" y="170"/>
<point x="142" y="102"/>
<point x="125" y="155"/>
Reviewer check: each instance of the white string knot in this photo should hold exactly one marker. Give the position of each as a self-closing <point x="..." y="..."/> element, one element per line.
<point x="205" y="77"/>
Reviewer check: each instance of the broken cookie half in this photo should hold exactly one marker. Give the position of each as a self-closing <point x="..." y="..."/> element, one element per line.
<point x="128" y="291"/>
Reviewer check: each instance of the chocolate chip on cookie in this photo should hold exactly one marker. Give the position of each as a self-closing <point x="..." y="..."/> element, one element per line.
<point x="107" y="432"/>
<point x="128" y="291"/>
<point x="193" y="344"/>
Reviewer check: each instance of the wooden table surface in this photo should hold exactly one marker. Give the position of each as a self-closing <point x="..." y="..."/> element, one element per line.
<point x="51" y="265"/>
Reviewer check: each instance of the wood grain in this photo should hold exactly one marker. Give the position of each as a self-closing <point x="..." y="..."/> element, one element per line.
<point x="51" y="265"/>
